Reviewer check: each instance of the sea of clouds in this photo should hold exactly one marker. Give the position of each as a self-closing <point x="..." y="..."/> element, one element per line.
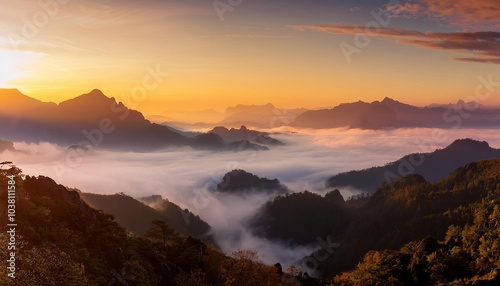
<point x="184" y="176"/>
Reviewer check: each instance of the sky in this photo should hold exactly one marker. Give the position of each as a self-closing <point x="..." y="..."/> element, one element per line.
<point x="192" y="55"/>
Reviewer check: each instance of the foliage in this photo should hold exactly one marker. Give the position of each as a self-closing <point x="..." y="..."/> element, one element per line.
<point x="300" y="218"/>
<point x="63" y="241"/>
<point x="469" y="251"/>
<point x="410" y="209"/>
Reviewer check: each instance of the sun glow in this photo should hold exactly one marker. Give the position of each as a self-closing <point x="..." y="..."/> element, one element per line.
<point x="13" y="65"/>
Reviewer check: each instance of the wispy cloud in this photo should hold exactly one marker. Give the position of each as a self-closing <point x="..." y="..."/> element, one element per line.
<point x="482" y="47"/>
<point x="470" y="14"/>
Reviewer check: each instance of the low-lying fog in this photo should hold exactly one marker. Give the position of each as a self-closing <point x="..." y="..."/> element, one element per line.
<point x="183" y="176"/>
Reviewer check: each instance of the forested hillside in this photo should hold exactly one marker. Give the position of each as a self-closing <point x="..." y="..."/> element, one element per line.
<point x="410" y="232"/>
<point x="63" y="241"/>
<point x="412" y="209"/>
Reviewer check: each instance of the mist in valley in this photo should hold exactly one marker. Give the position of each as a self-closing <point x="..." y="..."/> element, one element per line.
<point x="187" y="177"/>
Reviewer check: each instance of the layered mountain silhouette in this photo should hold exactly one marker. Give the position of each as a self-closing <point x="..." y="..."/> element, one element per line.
<point x="94" y="120"/>
<point x="244" y="133"/>
<point x="432" y="166"/>
<point x="242" y="182"/>
<point x="137" y="216"/>
<point x="6" y="146"/>
<point x="389" y="114"/>
<point x="260" y="116"/>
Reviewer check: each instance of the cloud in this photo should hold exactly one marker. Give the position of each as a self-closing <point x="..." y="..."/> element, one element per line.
<point x="184" y="176"/>
<point x="461" y="13"/>
<point x="483" y="46"/>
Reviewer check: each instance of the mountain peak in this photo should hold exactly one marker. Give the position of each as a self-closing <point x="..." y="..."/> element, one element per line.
<point x="468" y="144"/>
<point x="388" y="99"/>
<point x="240" y="180"/>
<point x="92" y="99"/>
<point x="12" y="91"/>
<point x="13" y="94"/>
<point x="14" y="102"/>
<point x="335" y="197"/>
<point x="96" y="94"/>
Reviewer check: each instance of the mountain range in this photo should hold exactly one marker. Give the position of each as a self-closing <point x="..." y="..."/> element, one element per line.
<point x="94" y="120"/>
<point x="432" y="166"/>
<point x="253" y="116"/>
<point x="389" y="114"/>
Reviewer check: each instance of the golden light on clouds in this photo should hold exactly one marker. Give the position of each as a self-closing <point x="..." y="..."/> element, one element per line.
<point x="251" y="56"/>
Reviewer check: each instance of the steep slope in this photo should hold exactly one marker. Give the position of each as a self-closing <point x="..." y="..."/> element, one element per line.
<point x="137" y="217"/>
<point x="17" y="105"/>
<point x="62" y="241"/>
<point x="432" y="166"/>
<point x="412" y="209"/>
<point x="467" y="255"/>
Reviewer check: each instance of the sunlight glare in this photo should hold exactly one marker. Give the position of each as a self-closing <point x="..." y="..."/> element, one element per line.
<point x="13" y="65"/>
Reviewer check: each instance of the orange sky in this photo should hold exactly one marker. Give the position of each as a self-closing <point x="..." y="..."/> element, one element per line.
<point x="252" y="55"/>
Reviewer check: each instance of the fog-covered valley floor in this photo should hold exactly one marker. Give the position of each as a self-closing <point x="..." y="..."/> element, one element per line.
<point x="184" y="176"/>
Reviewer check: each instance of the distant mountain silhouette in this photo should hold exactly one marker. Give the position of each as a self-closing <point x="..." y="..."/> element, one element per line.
<point x="6" y="146"/>
<point x="459" y="104"/>
<point x="260" y="116"/>
<point x="389" y="113"/>
<point x="136" y="216"/>
<point x="432" y="166"/>
<point x="244" y="133"/>
<point x="92" y="120"/>
<point x="240" y="181"/>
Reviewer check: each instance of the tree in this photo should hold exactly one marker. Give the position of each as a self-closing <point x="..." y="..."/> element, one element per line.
<point x="244" y="269"/>
<point x="162" y="232"/>
<point x="195" y="278"/>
